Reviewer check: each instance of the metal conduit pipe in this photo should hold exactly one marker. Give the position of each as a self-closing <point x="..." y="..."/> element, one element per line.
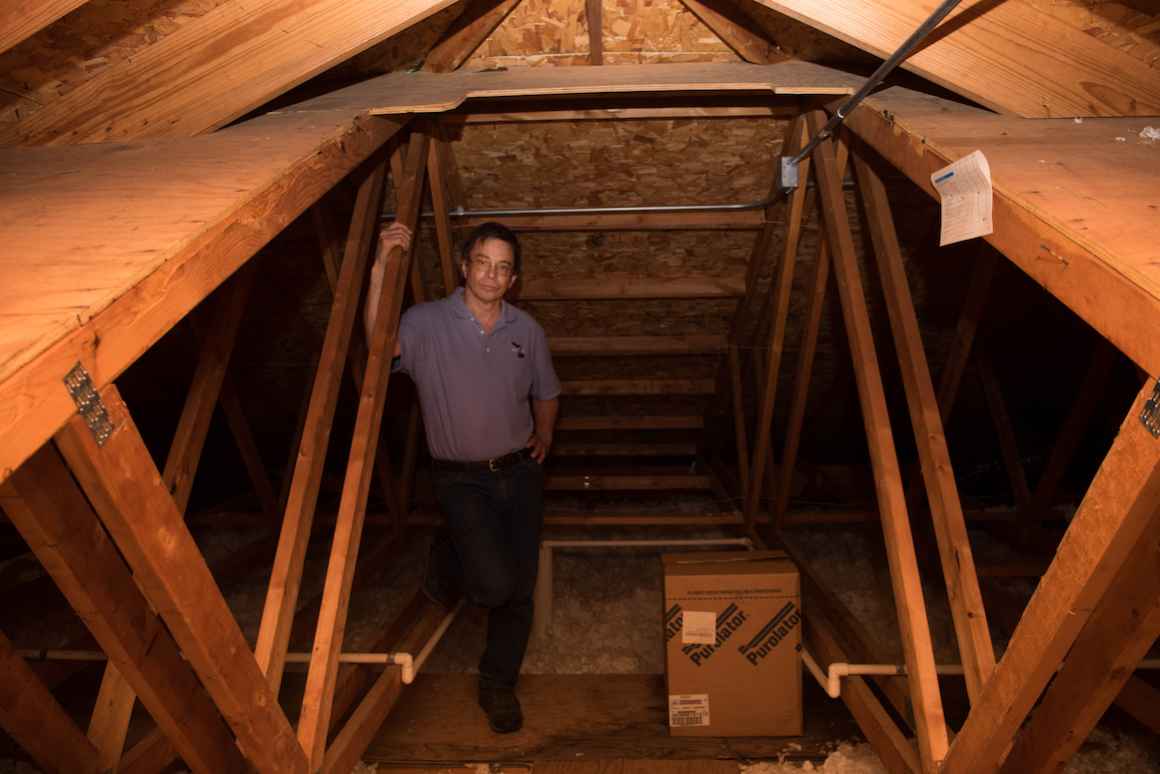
<point x="543" y="594"/>
<point x="460" y="212"/>
<point x="831" y="679"/>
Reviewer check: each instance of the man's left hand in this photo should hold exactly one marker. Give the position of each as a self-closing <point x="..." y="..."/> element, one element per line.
<point x="539" y="447"/>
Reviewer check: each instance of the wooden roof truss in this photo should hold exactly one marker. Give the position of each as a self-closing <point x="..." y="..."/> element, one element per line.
<point x="109" y="525"/>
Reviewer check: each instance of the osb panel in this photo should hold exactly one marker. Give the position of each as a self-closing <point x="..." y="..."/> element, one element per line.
<point x="615" y="163"/>
<point x="97" y="35"/>
<point x="555" y="32"/>
<point x="1133" y="30"/>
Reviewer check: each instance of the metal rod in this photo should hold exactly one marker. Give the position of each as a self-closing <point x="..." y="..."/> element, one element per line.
<point x="878" y="76"/>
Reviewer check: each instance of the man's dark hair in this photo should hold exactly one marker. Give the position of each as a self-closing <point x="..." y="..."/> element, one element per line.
<point x="491" y="230"/>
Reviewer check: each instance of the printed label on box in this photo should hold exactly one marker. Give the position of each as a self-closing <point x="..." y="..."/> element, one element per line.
<point x="699" y="628"/>
<point x="688" y="710"/>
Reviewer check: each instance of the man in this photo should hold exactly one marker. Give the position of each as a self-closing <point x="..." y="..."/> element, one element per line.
<point x="489" y="397"/>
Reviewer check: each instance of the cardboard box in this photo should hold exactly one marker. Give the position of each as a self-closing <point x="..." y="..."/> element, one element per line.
<point x="732" y="625"/>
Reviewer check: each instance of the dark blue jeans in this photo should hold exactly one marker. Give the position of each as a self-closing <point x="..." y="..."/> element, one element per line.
<point x="491" y="546"/>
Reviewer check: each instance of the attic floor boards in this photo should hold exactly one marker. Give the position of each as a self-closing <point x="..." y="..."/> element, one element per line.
<point x="601" y="719"/>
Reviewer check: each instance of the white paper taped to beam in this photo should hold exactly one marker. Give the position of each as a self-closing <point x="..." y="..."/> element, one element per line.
<point x="965" y="190"/>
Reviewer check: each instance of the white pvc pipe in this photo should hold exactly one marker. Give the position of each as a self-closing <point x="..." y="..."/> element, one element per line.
<point x="542" y="609"/>
<point x="831" y="679"/>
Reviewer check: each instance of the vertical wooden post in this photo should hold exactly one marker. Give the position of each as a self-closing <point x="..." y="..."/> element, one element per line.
<point x="436" y="175"/>
<point x="805" y="365"/>
<point x="958" y="564"/>
<point x="739" y="417"/>
<point x="1120" y="506"/>
<point x="908" y="598"/>
<point x="595" y="14"/>
<point x="320" y="681"/>
<point x="290" y="557"/>
<point x="779" y="295"/>
<point x="109" y="724"/>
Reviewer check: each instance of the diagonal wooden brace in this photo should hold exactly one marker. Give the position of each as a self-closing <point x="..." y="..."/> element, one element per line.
<point x="126" y="490"/>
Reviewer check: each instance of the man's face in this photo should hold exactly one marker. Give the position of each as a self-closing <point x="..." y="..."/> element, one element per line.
<point x="488" y="271"/>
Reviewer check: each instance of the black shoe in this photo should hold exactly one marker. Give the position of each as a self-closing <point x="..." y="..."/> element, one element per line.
<point x="502" y="707"/>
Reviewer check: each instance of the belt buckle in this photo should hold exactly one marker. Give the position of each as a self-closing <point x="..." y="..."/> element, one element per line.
<point x="492" y="466"/>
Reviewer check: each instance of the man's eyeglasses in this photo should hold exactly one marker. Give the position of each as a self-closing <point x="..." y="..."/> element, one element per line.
<point x="485" y="267"/>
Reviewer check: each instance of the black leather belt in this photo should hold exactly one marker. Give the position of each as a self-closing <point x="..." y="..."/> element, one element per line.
<point x="495" y="464"/>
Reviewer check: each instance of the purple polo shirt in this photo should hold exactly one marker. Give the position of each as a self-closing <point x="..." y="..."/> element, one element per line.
<point x="474" y="387"/>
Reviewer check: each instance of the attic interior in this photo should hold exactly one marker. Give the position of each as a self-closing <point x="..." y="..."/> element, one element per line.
<point x="212" y="487"/>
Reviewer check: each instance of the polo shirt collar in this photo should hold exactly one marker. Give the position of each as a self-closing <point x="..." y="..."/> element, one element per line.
<point x="459" y="306"/>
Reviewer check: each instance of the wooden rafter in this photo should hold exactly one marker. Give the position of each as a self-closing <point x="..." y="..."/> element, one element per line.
<point x="908" y="597"/>
<point x="1122" y="504"/>
<point x="181" y="85"/>
<point x="247" y="446"/>
<point x="59" y="525"/>
<point x="966" y="601"/>
<point x="735" y="28"/>
<point x="473" y="26"/>
<point x="109" y="724"/>
<point x="317" y="702"/>
<point x="125" y="487"/>
<point x="1010" y="56"/>
<point x="289" y="561"/>
<point x="21" y="19"/>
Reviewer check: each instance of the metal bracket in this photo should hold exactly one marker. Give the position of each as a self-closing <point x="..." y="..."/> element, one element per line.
<point x="1150" y="416"/>
<point x="88" y="401"/>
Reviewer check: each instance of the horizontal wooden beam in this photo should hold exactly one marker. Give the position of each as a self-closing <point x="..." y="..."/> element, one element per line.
<point x="617" y="114"/>
<point x="727" y="220"/>
<point x="624" y="449"/>
<point x="639" y="387"/>
<point x="631" y="423"/>
<point x="558" y="482"/>
<point x="629" y="286"/>
<point x="695" y="344"/>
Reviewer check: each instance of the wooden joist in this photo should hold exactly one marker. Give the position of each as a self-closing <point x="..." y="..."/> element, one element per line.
<point x="593" y="13"/>
<point x="908" y="597"/>
<point x="55" y="519"/>
<point x="639" y="387"/>
<point x="147" y="264"/>
<point x="597" y="346"/>
<point x="1012" y="57"/>
<point x="477" y="21"/>
<point x="125" y="487"/>
<point x="190" y="81"/>
<point x="958" y="564"/>
<point x="1101" y="266"/>
<point x="736" y="29"/>
<point x="1121" y="506"/>
<point x="619" y="285"/>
